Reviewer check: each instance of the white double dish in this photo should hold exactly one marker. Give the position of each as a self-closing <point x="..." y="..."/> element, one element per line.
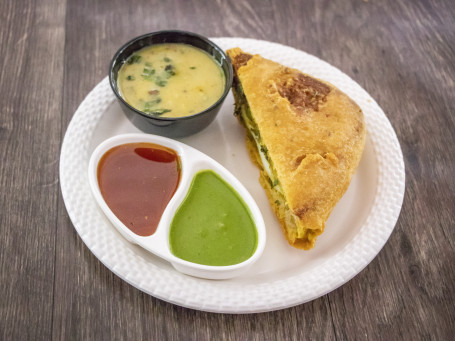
<point x="192" y="162"/>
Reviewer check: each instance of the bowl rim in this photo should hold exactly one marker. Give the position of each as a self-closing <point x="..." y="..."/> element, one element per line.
<point x="229" y="75"/>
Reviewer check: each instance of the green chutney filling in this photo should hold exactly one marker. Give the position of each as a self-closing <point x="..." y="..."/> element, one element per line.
<point x="243" y="113"/>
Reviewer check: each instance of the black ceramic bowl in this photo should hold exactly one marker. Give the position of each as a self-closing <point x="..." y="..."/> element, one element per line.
<point x="170" y="126"/>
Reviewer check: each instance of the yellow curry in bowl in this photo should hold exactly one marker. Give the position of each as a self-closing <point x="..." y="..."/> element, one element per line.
<point x="171" y="80"/>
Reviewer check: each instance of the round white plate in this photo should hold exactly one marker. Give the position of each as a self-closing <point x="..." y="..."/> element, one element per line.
<point x="356" y="231"/>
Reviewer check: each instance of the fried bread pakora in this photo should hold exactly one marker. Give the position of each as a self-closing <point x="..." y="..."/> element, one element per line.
<point x="305" y="135"/>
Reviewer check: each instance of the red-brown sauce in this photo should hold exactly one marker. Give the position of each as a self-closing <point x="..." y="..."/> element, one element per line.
<point x="137" y="180"/>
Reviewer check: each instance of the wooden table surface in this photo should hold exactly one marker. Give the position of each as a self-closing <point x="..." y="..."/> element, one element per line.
<point x="53" y="52"/>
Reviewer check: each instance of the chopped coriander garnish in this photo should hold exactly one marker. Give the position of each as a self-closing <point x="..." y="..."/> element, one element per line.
<point x="130" y="78"/>
<point x="159" y="112"/>
<point x="277" y="202"/>
<point x="166" y="59"/>
<point x="192" y="67"/>
<point x="135" y="58"/>
<point x="148" y="105"/>
<point x="160" y="82"/>
<point x="147" y="73"/>
<point x="170" y="70"/>
<point x="148" y="64"/>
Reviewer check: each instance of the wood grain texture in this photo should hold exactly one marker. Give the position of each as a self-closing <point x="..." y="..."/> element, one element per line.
<point x="31" y="78"/>
<point x="55" y="52"/>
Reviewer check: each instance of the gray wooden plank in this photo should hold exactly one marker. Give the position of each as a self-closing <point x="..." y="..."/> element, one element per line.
<point x="31" y="75"/>
<point x="405" y="60"/>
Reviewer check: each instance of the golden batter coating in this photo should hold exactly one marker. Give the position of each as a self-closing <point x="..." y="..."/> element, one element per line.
<point x="311" y="134"/>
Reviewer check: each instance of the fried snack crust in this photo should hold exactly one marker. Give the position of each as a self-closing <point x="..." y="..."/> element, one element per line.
<point x="315" y="136"/>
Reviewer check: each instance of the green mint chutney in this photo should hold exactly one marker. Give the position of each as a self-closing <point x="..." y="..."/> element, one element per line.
<point x="213" y="225"/>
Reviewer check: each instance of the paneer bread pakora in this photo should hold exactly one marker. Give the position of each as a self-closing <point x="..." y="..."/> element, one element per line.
<point x="305" y="135"/>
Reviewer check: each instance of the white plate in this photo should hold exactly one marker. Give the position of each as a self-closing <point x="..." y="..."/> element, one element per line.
<point x="356" y="231"/>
